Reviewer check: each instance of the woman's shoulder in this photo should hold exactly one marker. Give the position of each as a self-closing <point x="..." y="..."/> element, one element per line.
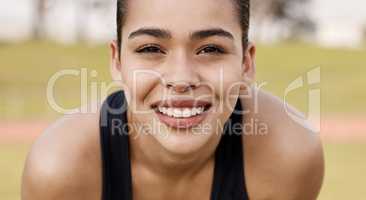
<point x="64" y="157"/>
<point x="286" y="157"/>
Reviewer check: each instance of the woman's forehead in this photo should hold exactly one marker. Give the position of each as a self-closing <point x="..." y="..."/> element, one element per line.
<point x="181" y="17"/>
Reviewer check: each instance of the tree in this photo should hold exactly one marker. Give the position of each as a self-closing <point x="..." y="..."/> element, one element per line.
<point x="291" y="15"/>
<point x="39" y="18"/>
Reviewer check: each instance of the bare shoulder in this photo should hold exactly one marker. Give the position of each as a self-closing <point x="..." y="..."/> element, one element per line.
<point x="64" y="161"/>
<point x="286" y="160"/>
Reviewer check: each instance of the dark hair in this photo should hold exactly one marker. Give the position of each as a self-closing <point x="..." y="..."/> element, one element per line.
<point x="242" y="6"/>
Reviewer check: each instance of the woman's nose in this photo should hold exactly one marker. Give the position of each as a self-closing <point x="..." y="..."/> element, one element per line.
<point x="181" y="75"/>
<point x="181" y="87"/>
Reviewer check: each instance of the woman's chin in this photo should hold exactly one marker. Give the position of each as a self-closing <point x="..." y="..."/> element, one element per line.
<point x="183" y="136"/>
<point x="183" y="141"/>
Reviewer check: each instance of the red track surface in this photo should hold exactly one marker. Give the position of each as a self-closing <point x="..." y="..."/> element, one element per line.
<point x="332" y="129"/>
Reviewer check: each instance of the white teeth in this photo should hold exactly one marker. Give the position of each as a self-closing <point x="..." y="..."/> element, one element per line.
<point x="169" y="112"/>
<point x="177" y="112"/>
<point x="187" y="112"/>
<point x="181" y="112"/>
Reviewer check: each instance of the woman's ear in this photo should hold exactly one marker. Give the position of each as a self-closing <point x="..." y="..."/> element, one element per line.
<point x="115" y="63"/>
<point x="248" y="72"/>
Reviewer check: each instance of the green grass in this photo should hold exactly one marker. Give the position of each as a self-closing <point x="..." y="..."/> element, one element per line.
<point x="11" y="166"/>
<point x="26" y="67"/>
<point x="342" y="74"/>
<point x="345" y="169"/>
<point x="345" y="172"/>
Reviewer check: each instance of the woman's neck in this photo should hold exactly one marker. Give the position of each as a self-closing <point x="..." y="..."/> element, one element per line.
<point x="146" y="152"/>
<point x="174" y="179"/>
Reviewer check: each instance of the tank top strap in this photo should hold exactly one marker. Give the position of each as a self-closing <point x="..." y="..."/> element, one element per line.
<point x="229" y="177"/>
<point x="117" y="181"/>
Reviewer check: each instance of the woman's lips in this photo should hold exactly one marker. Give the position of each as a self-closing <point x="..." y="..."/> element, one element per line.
<point x="181" y="122"/>
<point x="199" y="107"/>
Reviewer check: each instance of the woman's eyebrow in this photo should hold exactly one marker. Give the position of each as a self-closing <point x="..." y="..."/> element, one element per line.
<point x="154" y="32"/>
<point x="202" y="34"/>
<point x="166" y="34"/>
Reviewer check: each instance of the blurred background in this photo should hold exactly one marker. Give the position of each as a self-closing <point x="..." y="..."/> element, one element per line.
<point x="38" y="38"/>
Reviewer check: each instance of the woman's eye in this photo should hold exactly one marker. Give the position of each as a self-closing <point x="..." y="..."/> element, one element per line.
<point x="149" y="49"/>
<point x="212" y="50"/>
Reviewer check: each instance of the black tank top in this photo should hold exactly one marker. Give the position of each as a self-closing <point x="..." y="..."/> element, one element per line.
<point x="228" y="181"/>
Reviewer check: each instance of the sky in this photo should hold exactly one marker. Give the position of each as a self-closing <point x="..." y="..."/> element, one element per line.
<point x="337" y="19"/>
<point x="15" y="18"/>
<point x="340" y="21"/>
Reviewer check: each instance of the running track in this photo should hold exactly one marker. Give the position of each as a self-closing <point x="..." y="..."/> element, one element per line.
<point x="339" y="129"/>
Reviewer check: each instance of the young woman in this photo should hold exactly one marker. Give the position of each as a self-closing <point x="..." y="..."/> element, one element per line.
<point x="173" y="133"/>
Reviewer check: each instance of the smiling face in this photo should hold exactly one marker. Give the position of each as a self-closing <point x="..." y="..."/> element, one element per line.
<point x="180" y="63"/>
